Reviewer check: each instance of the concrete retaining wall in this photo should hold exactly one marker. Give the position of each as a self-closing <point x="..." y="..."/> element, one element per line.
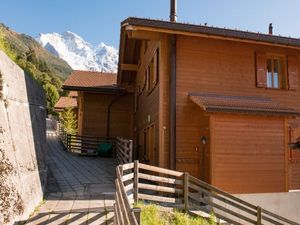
<point x="22" y="143"/>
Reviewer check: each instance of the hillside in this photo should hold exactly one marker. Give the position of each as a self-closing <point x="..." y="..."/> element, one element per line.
<point x="46" y="68"/>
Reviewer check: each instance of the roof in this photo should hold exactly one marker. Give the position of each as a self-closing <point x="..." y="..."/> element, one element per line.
<point x="240" y="104"/>
<point x="91" y="81"/>
<point x="73" y="94"/>
<point x="66" y="102"/>
<point x="211" y="31"/>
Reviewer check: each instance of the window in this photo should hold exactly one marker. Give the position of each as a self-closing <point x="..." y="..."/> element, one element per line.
<point x="152" y="72"/>
<point x="275" y="73"/>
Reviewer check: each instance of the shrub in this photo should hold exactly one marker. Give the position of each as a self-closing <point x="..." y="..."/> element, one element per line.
<point x="69" y="121"/>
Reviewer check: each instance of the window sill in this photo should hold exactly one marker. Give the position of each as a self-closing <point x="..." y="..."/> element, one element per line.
<point x="278" y="89"/>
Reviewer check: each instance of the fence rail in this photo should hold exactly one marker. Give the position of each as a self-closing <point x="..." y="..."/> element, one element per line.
<point x="87" y="145"/>
<point x="168" y="188"/>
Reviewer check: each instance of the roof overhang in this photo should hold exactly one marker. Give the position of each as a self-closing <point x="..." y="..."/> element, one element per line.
<point x="136" y="24"/>
<point x="240" y="104"/>
<point x="103" y="89"/>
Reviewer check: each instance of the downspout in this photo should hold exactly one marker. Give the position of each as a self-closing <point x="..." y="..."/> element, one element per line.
<point x="108" y="114"/>
<point x="173" y="104"/>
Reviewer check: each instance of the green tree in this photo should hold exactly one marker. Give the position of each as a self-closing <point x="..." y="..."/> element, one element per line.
<point x="69" y="121"/>
<point x="52" y="96"/>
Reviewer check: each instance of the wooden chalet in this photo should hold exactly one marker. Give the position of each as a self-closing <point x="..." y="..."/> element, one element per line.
<point x="220" y="104"/>
<point x="104" y="109"/>
<point x="65" y="102"/>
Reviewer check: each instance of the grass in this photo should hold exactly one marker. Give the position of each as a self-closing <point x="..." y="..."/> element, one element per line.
<point x="152" y="215"/>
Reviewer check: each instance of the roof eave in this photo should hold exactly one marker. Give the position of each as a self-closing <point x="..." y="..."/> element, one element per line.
<point x="104" y="90"/>
<point x="133" y="24"/>
<point x="252" y="112"/>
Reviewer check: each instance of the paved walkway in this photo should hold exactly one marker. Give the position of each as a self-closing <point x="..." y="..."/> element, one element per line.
<point x="80" y="189"/>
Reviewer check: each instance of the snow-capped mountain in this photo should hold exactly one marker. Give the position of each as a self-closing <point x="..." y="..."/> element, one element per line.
<point x="78" y="53"/>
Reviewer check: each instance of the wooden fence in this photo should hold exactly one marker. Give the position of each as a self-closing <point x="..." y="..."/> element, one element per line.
<point x="85" y="145"/>
<point x="172" y="189"/>
<point x="123" y="150"/>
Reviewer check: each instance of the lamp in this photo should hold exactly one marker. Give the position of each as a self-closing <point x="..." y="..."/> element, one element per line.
<point x="203" y="140"/>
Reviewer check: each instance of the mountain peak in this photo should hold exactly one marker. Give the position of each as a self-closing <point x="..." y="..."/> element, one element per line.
<point x="78" y="53"/>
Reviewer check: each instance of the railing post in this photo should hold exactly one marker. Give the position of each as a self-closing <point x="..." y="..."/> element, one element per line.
<point x="258" y="215"/>
<point x="130" y="149"/>
<point x="186" y="191"/>
<point x="68" y="142"/>
<point x="137" y="214"/>
<point x="136" y="181"/>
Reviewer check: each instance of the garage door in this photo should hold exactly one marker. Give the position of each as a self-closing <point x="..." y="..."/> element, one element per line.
<point x="248" y="153"/>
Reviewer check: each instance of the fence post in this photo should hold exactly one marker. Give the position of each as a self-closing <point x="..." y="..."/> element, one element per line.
<point x="68" y="142"/>
<point x="137" y="214"/>
<point x="258" y="215"/>
<point x="136" y="181"/>
<point x="186" y="191"/>
<point x="130" y="149"/>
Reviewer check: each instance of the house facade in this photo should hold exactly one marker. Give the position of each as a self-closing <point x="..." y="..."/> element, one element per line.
<point x="220" y="104"/>
<point x="104" y="110"/>
<point x="65" y="102"/>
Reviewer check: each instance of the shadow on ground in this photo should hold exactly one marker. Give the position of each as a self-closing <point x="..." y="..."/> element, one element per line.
<point x="80" y="190"/>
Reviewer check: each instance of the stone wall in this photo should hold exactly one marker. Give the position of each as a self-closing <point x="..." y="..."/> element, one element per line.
<point x="22" y="143"/>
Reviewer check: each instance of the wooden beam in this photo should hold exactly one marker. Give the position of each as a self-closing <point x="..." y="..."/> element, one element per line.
<point x="143" y="35"/>
<point x="129" y="67"/>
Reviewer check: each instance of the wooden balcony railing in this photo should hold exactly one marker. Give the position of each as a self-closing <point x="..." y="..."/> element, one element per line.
<point x="168" y="188"/>
<point x="84" y="145"/>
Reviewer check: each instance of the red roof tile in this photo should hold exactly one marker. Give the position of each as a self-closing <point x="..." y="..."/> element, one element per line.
<point x="240" y="104"/>
<point x="90" y="80"/>
<point x="65" y="102"/>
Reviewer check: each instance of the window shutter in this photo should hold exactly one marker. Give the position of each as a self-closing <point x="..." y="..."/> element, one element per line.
<point x="292" y="72"/>
<point x="261" y="70"/>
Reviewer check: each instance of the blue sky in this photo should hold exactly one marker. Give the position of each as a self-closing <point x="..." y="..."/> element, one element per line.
<point x="99" y="20"/>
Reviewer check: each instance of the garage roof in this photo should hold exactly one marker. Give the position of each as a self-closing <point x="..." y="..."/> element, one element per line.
<point x="92" y="81"/>
<point x="211" y="102"/>
<point x="65" y="102"/>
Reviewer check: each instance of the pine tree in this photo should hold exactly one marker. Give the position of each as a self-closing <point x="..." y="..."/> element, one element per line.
<point x="69" y="121"/>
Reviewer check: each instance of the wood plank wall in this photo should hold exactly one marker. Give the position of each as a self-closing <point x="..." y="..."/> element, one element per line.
<point x="249" y="153"/>
<point x="147" y="105"/>
<point x="154" y="105"/>
<point x="164" y="104"/>
<point x="224" y="67"/>
<point x="80" y="112"/>
<point x="94" y="118"/>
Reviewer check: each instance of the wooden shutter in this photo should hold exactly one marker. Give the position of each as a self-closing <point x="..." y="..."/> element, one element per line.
<point x="292" y="72"/>
<point x="261" y="69"/>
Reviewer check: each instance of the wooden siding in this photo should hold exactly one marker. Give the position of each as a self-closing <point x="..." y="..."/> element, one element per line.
<point x="94" y="118"/>
<point x="153" y="107"/>
<point x="164" y="107"/>
<point x="222" y="67"/>
<point x="80" y="112"/>
<point x="294" y="170"/>
<point x="249" y="153"/>
<point x="147" y="106"/>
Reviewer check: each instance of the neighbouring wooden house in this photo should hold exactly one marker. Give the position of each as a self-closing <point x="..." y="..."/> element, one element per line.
<point x="104" y="109"/>
<point x="220" y="104"/>
<point x="65" y="102"/>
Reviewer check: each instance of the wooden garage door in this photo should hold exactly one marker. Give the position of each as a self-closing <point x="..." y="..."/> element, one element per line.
<point x="248" y="153"/>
